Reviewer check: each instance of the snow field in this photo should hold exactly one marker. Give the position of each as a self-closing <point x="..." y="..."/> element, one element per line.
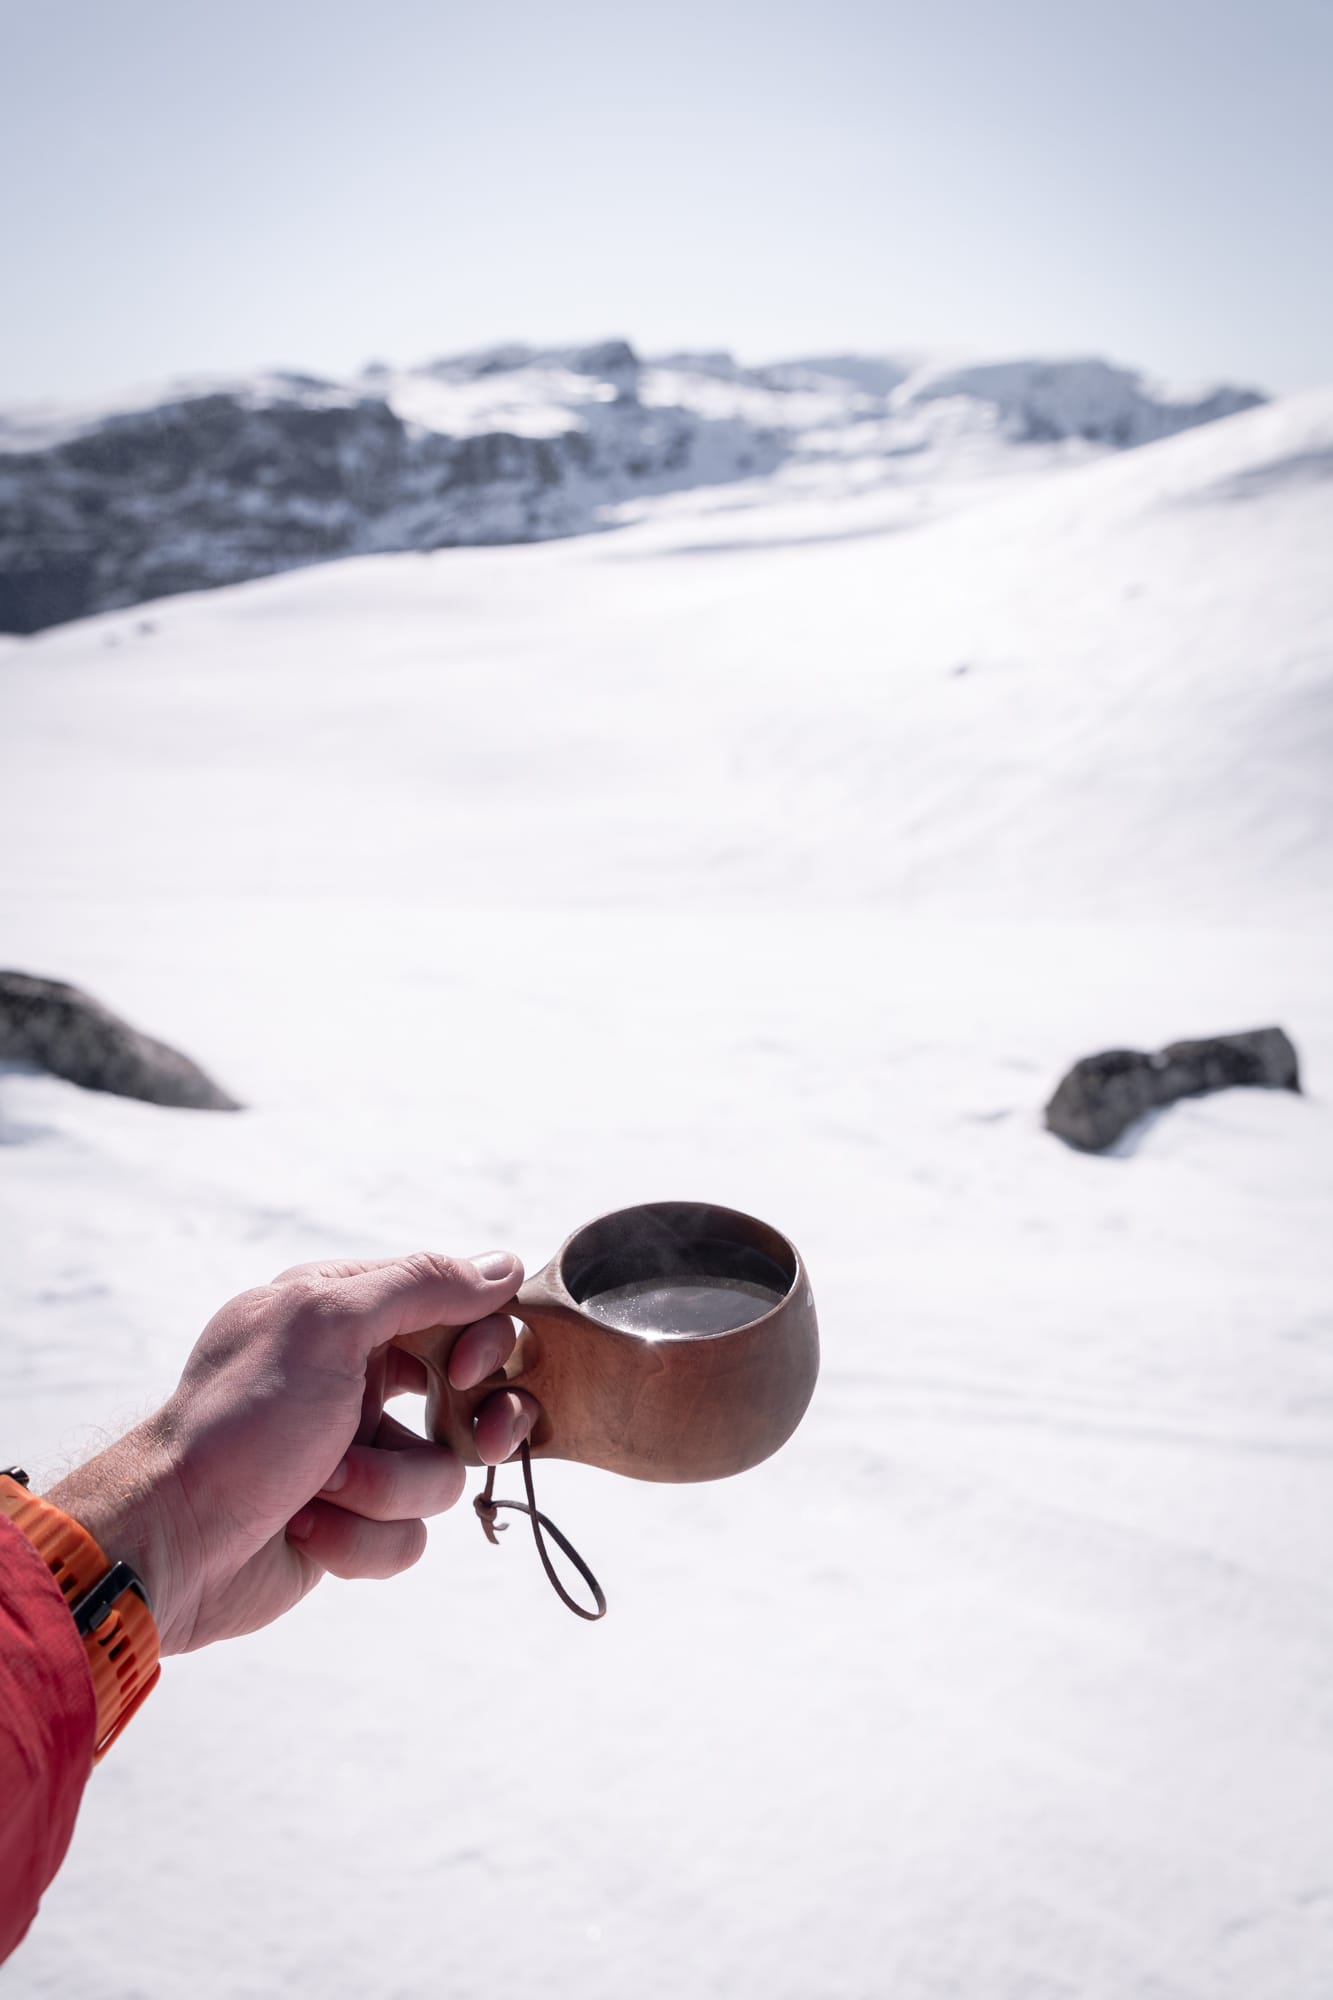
<point x="511" y="886"/>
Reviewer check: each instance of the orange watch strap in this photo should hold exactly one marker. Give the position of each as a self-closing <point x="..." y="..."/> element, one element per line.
<point x="122" y="1645"/>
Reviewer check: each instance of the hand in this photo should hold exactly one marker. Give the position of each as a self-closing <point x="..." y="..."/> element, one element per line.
<point x="274" y="1461"/>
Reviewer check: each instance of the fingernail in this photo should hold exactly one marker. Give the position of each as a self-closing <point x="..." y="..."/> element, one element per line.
<point x="300" y="1525"/>
<point x="496" y="1263"/>
<point x="522" y="1425"/>
<point x="338" y="1477"/>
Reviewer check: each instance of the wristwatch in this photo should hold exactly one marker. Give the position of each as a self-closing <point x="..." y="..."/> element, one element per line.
<point x="107" y="1600"/>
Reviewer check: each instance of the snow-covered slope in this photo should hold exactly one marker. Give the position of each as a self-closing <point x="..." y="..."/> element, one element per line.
<point x="215" y="482"/>
<point x="749" y="854"/>
<point x="1102" y="694"/>
<point x="1042" y="402"/>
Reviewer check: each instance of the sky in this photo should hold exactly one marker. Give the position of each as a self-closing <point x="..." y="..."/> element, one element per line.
<point x="212" y="188"/>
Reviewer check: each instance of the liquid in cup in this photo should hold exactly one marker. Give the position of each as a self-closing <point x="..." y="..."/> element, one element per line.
<point x="676" y="1308"/>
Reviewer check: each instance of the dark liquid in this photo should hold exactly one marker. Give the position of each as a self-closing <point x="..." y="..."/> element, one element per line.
<point x="662" y="1307"/>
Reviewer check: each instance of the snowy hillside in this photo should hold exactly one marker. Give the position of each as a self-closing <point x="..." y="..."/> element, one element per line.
<point x="1042" y="402"/>
<point x="212" y="483"/>
<point x="780" y="850"/>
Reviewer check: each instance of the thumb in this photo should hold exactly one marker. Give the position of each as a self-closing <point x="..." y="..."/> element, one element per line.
<point x="370" y="1308"/>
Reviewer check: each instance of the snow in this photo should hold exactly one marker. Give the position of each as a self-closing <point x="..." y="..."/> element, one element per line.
<point x="528" y="401"/>
<point x="42" y="426"/>
<point x="1090" y="398"/>
<point x="786" y="869"/>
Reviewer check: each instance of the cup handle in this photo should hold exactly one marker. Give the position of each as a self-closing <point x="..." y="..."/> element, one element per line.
<point x="450" y="1412"/>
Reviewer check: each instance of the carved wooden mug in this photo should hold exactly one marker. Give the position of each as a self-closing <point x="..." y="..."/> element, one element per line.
<point x="673" y="1341"/>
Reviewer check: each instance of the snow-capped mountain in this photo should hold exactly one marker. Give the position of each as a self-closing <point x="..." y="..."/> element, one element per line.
<point x="215" y="482"/>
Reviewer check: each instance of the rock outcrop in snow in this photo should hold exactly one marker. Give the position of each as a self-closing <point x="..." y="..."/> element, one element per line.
<point x="221" y="482"/>
<point x="49" y="1025"/>
<point x="1103" y="1095"/>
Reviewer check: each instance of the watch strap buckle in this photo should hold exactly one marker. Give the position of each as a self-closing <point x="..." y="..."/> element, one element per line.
<point x="89" y="1610"/>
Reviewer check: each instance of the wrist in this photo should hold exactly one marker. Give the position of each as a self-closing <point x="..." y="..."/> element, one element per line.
<point x="106" y="1600"/>
<point x="128" y="1499"/>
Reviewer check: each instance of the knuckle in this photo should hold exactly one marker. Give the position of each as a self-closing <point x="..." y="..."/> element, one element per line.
<point x="376" y="1483"/>
<point x="233" y="1331"/>
<point x="411" y="1546"/>
<point x="434" y="1267"/>
<point x="313" y="1305"/>
<point x="450" y="1483"/>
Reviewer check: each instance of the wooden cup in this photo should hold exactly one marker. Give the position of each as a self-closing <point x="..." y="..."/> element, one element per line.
<point x="673" y="1407"/>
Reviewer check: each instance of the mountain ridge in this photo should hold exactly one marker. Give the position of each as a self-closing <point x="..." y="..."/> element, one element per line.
<point x="219" y="480"/>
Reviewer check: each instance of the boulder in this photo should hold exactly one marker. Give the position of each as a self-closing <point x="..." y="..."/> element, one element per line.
<point x="1102" y="1095"/>
<point x="56" y="1027"/>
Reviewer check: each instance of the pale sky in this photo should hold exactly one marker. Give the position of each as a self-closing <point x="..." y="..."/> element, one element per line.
<point x="198" y="187"/>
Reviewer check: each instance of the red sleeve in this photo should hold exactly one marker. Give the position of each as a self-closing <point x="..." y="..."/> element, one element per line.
<point x="48" y="1722"/>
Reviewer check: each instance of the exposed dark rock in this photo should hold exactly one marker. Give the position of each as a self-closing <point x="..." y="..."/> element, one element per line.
<point x="606" y="357"/>
<point x="1102" y="1095"/>
<point x="34" y="595"/>
<point x="61" y="1029"/>
<point x="220" y="488"/>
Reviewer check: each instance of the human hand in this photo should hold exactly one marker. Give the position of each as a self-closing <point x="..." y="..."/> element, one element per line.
<point x="274" y="1460"/>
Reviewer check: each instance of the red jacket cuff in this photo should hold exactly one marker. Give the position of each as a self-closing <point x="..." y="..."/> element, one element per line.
<point x="48" y="1724"/>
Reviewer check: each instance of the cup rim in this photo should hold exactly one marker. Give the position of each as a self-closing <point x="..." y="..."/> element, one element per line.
<point x="745" y="1231"/>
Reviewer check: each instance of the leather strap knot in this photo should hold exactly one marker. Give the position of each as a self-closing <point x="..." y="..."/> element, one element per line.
<point x="487" y="1508"/>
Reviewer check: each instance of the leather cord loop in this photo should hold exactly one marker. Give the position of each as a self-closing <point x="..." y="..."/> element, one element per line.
<point x="487" y="1506"/>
